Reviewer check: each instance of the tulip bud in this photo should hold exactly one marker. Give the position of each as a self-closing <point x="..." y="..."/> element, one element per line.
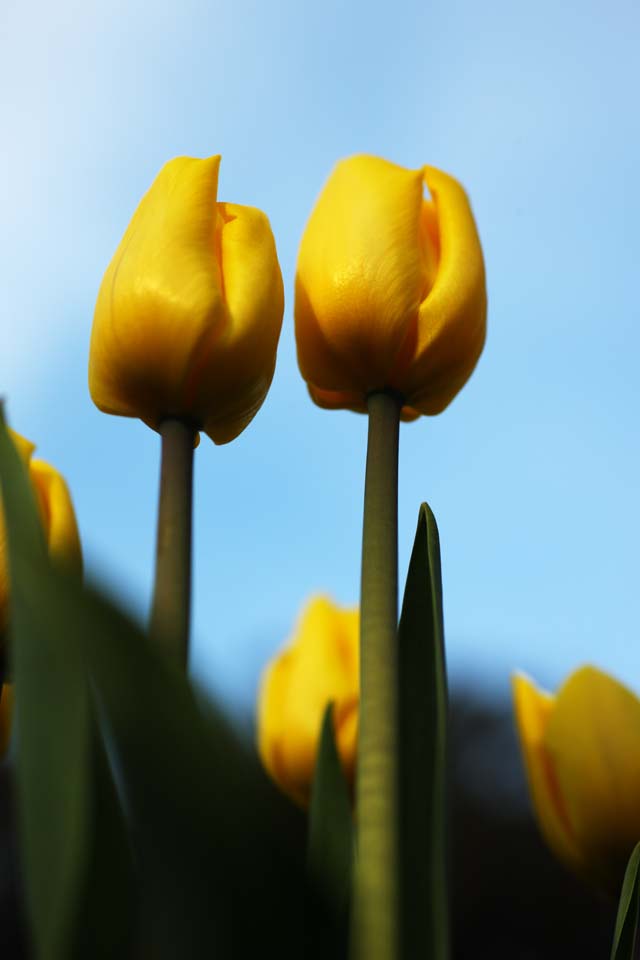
<point x="58" y="521"/>
<point x="390" y="288"/>
<point x="582" y="755"/>
<point x="319" y="666"/>
<point x="189" y="311"/>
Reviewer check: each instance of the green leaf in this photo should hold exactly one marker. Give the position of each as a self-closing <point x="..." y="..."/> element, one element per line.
<point x="106" y="919"/>
<point x="422" y="758"/>
<point x="624" y="938"/>
<point x="219" y="869"/>
<point x="330" y="849"/>
<point x="52" y="722"/>
<point x="217" y="849"/>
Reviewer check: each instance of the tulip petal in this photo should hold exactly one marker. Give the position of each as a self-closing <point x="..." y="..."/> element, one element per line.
<point x="229" y="376"/>
<point x="594" y="738"/>
<point x="533" y="709"/>
<point x="60" y="524"/>
<point x="451" y="326"/>
<point x="360" y="276"/>
<point x="161" y="295"/>
<point x="24" y="447"/>
<point x="321" y="665"/>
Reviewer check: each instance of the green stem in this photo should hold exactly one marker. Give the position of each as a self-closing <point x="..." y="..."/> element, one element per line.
<point x="170" y="613"/>
<point x="375" y="923"/>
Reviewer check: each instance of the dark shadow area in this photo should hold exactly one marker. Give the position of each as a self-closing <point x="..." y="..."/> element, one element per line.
<point x="12" y="927"/>
<point x="510" y="898"/>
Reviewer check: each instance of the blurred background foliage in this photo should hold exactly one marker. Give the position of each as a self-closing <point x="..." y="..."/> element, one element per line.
<point x="510" y="897"/>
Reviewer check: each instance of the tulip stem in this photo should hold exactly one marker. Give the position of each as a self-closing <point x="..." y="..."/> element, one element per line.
<point x="170" y="613"/>
<point x="375" y="916"/>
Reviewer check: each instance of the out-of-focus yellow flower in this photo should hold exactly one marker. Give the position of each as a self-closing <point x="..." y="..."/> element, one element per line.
<point x="6" y="711"/>
<point x="390" y="288"/>
<point x="320" y="665"/>
<point x="58" y="521"/>
<point x="189" y="312"/>
<point x="582" y="754"/>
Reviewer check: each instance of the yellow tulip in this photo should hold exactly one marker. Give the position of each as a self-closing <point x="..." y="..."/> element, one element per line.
<point x="58" y="521"/>
<point x="320" y="665"/>
<point x="390" y="288"/>
<point x="6" y="711"/>
<point x="582" y="755"/>
<point x="189" y="311"/>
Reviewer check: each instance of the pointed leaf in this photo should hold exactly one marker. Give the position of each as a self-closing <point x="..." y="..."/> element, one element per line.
<point x="218" y="867"/>
<point x="330" y="851"/>
<point x="625" y="935"/>
<point x="106" y="920"/>
<point x="52" y="710"/>
<point x="422" y="752"/>
<point x="212" y="836"/>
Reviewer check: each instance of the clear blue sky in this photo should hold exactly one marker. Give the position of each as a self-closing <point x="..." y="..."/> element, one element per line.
<point x="533" y="472"/>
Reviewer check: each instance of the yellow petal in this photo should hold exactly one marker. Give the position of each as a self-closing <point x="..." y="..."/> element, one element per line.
<point x="233" y="370"/>
<point x="319" y="666"/>
<point x="593" y="736"/>
<point x="6" y="713"/>
<point x="161" y="296"/>
<point x="533" y="708"/>
<point x="58" y="520"/>
<point x="190" y="309"/>
<point x="451" y="325"/>
<point x="61" y="529"/>
<point x="360" y="276"/>
<point x="24" y="447"/>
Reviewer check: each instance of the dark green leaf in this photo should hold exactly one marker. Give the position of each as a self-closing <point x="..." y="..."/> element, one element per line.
<point x="217" y="869"/>
<point x="24" y="529"/>
<point x="624" y="938"/>
<point x="106" y="919"/>
<point x="217" y="849"/>
<point x="422" y="753"/>
<point x="330" y="851"/>
<point x="52" y="710"/>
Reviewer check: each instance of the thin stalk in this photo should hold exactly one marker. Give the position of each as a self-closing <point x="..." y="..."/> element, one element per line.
<point x="375" y="917"/>
<point x="170" y="613"/>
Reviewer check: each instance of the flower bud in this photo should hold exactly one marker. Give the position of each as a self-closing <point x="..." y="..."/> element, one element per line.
<point x="582" y="755"/>
<point x="189" y="312"/>
<point x="58" y="521"/>
<point x="319" y="666"/>
<point x="390" y="288"/>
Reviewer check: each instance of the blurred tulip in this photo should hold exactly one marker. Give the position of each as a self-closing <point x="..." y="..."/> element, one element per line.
<point x="58" y="521"/>
<point x="6" y="710"/>
<point x="189" y="311"/>
<point x="582" y="754"/>
<point x="320" y="665"/>
<point x="390" y="288"/>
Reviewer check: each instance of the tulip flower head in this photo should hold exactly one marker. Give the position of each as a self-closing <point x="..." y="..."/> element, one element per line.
<point x="390" y="288"/>
<point x="581" y="750"/>
<point x="189" y="312"/>
<point x="58" y="521"/>
<point x="320" y="665"/>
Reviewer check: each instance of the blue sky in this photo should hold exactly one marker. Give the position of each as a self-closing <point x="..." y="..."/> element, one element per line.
<point x="534" y="470"/>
